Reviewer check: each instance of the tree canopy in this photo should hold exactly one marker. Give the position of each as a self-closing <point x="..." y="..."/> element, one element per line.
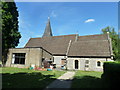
<point x="10" y="33"/>
<point x="114" y="38"/>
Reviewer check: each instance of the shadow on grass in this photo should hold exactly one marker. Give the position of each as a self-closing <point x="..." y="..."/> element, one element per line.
<point x="88" y="82"/>
<point x="26" y="80"/>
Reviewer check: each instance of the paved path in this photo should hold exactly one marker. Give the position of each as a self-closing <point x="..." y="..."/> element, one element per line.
<point x="63" y="81"/>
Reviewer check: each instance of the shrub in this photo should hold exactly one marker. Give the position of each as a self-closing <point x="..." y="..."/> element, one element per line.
<point x="110" y="67"/>
<point x="111" y="73"/>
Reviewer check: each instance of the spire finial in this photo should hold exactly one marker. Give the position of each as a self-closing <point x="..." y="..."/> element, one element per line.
<point x="48" y="17"/>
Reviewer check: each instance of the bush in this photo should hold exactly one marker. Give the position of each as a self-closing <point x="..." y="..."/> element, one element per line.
<point x="111" y="73"/>
<point x="111" y="67"/>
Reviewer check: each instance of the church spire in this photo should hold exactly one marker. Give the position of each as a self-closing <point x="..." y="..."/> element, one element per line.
<point x="48" y="30"/>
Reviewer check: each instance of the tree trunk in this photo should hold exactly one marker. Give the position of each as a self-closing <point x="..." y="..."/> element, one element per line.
<point x="4" y="57"/>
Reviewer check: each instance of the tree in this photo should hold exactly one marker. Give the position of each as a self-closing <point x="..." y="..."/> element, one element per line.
<point x="10" y="34"/>
<point x="119" y="45"/>
<point x="114" y="38"/>
<point x="0" y="31"/>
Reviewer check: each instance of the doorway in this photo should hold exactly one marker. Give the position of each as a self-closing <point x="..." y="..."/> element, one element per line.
<point x="76" y="64"/>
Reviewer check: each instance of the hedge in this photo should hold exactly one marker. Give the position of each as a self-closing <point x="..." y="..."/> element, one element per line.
<point x="111" y="73"/>
<point x="111" y="67"/>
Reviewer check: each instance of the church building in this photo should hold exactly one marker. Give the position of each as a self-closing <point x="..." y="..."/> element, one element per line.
<point x="73" y="52"/>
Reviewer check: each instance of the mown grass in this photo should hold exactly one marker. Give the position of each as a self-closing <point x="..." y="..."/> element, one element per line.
<point x="24" y="78"/>
<point x="87" y="79"/>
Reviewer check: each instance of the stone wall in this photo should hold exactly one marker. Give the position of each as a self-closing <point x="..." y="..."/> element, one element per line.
<point x="57" y="60"/>
<point x="33" y="56"/>
<point x="47" y="55"/>
<point x="92" y="65"/>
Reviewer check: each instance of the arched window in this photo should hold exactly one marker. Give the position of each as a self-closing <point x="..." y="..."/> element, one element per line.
<point x="98" y="63"/>
<point x="76" y="64"/>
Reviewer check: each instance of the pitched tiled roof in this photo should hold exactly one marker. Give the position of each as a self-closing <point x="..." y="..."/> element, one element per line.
<point x="91" y="45"/>
<point x="54" y="44"/>
<point x="90" y="48"/>
<point x="93" y="37"/>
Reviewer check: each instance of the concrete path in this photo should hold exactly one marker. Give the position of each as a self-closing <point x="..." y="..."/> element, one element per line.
<point x="63" y="81"/>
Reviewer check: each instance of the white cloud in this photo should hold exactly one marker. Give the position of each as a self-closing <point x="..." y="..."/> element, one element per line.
<point x="53" y="14"/>
<point x="89" y="20"/>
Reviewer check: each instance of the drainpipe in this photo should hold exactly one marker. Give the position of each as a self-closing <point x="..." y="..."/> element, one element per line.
<point x="41" y="57"/>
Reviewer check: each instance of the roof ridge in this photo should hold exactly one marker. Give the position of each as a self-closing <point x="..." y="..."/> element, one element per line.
<point x="36" y="38"/>
<point x="91" y="40"/>
<point x="64" y="35"/>
<point x="93" y="35"/>
<point x="67" y="35"/>
<point x="53" y="36"/>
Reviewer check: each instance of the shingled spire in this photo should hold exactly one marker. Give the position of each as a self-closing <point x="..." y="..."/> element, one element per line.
<point x="48" y="30"/>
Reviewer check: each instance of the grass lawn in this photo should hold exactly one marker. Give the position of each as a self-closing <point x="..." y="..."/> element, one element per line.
<point x="87" y="79"/>
<point x="24" y="78"/>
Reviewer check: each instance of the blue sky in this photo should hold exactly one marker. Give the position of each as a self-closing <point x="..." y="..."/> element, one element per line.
<point x="85" y="18"/>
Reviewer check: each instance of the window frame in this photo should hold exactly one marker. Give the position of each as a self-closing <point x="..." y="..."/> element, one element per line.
<point x="98" y="63"/>
<point x="87" y="62"/>
<point x="18" y="58"/>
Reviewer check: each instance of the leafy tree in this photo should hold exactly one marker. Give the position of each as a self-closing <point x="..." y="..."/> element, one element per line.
<point x="0" y="32"/>
<point x="10" y="34"/>
<point x="114" y="39"/>
<point x="119" y="45"/>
